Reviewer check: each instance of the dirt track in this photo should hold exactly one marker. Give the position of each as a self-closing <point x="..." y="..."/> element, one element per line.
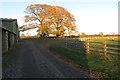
<point x="34" y="60"/>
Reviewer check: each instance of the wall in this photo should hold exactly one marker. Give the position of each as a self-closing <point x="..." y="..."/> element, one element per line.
<point x="4" y="40"/>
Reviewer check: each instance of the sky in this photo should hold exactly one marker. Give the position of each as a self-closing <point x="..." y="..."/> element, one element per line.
<point x="92" y="16"/>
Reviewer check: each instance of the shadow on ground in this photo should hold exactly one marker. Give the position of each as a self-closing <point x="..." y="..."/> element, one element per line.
<point x="72" y="50"/>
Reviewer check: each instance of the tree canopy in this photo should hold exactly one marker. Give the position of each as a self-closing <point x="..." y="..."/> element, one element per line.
<point x="49" y="20"/>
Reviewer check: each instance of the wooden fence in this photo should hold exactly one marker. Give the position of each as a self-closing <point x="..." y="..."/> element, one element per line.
<point x="103" y="47"/>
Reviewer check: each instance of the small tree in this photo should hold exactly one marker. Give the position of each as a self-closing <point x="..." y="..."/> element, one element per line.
<point x="28" y="34"/>
<point x="112" y="33"/>
<point x="22" y="35"/>
<point x="83" y="34"/>
<point x="101" y="33"/>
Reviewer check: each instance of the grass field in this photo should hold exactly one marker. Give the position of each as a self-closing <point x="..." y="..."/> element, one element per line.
<point x="99" y="66"/>
<point x="110" y="43"/>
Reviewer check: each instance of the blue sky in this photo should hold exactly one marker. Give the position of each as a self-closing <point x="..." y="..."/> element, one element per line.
<point x="93" y="16"/>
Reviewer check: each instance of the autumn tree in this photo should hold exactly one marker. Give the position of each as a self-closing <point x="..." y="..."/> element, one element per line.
<point x="49" y="20"/>
<point x="101" y="33"/>
<point x="61" y="21"/>
<point x="112" y="33"/>
<point x="83" y="34"/>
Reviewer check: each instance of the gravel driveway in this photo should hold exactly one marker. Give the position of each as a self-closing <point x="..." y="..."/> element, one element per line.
<point x="34" y="61"/>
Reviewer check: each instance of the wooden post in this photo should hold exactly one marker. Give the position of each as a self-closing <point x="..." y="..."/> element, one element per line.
<point x="105" y="48"/>
<point x="88" y="47"/>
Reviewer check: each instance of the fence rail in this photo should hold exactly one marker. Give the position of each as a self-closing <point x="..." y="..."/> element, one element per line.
<point x="104" y="46"/>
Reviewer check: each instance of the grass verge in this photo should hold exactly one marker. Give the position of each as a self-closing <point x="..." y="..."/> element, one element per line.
<point x="98" y="65"/>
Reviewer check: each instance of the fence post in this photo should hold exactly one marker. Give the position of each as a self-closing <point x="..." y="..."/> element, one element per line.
<point x="105" y="48"/>
<point x="88" y="47"/>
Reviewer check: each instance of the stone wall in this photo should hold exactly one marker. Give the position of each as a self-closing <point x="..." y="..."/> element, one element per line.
<point x="4" y="40"/>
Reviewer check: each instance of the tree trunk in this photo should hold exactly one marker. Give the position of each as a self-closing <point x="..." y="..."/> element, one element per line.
<point x="57" y="35"/>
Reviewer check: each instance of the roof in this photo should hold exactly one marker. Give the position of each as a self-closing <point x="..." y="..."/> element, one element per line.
<point x="7" y="19"/>
<point x="9" y="24"/>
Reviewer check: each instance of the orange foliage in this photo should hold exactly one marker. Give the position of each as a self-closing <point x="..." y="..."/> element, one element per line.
<point x="50" y="19"/>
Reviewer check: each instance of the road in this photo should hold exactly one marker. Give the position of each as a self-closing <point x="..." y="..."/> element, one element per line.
<point x="35" y="61"/>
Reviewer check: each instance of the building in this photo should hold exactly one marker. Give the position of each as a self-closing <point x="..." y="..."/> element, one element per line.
<point x="9" y="30"/>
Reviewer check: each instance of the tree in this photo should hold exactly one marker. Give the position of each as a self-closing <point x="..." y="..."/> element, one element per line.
<point x="61" y="20"/>
<point x="101" y="33"/>
<point x="49" y="19"/>
<point x="28" y="34"/>
<point x="22" y="34"/>
<point x="83" y="34"/>
<point x="112" y="33"/>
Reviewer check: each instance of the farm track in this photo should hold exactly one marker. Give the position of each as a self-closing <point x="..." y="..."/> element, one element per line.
<point x="34" y="60"/>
